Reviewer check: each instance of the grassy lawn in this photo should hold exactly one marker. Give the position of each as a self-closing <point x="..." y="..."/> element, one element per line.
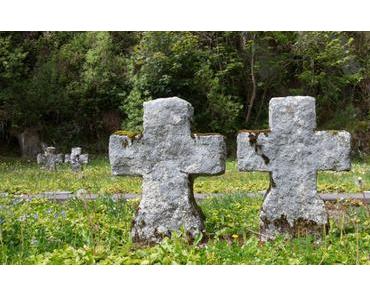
<point x="18" y="176"/>
<point x="90" y="232"/>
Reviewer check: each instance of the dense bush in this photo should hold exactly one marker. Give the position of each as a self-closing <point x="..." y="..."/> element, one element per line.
<point x="68" y="85"/>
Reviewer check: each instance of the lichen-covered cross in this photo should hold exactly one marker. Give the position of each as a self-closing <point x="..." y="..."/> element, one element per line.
<point x="292" y="151"/>
<point x="48" y="159"/>
<point x="77" y="159"/>
<point x="168" y="157"/>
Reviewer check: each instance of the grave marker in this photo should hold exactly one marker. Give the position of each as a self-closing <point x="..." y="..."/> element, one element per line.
<point x="48" y="159"/>
<point x="76" y="159"/>
<point x="168" y="158"/>
<point x="293" y="152"/>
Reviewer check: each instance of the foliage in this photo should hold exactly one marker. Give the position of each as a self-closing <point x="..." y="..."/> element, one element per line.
<point x="166" y="64"/>
<point x="72" y="80"/>
<point x="21" y="177"/>
<point x="11" y="60"/>
<point x="98" y="232"/>
<point x="65" y="83"/>
<point x="328" y="68"/>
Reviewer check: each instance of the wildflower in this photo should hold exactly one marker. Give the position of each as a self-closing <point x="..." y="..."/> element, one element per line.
<point x="16" y="201"/>
<point x="34" y="241"/>
<point x="235" y="236"/>
<point x="22" y="218"/>
<point x="63" y="213"/>
<point x="35" y="216"/>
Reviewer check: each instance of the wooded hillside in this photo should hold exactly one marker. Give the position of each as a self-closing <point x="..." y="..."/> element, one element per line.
<point x="75" y="88"/>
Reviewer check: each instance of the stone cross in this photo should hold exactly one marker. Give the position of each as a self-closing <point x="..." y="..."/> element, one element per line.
<point x="292" y="151"/>
<point x="59" y="158"/>
<point x="76" y="159"/>
<point x="168" y="157"/>
<point x="67" y="158"/>
<point x="48" y="159"/>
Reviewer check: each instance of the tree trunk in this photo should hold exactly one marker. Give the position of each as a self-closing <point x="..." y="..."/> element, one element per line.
<point x="253" y="78"/>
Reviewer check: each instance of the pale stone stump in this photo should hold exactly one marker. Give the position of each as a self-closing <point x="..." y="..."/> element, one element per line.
<point x="168" y="158"/>
<point x="292" y="151"/>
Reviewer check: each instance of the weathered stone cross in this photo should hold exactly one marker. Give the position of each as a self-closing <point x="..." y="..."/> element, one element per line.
<point x="76" y="159"/>
<point x="49" y="159"/>
<point x="168" y="157"/>
<point x="293" y="152"/>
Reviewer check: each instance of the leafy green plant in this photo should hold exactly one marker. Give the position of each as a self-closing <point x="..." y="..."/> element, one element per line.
<point x="98" y="232"/>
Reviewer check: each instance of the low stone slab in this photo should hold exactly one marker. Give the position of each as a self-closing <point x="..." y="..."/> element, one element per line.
<point x="63" y="196"/>
<point x="57" y="195"/>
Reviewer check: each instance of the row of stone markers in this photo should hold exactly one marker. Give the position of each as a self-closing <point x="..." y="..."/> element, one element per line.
<point x="168" y="157"/>
<point x="49" y="159"/>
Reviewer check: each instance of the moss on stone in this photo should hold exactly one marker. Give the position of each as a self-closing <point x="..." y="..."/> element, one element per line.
<point x="129" y="134"/>
<point x="333" y="132"/>
<point x="256" y="132"/>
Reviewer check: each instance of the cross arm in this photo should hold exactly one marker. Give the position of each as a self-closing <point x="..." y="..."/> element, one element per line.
<point x="250" y="151"/>
<point x="333" y="150"/>
<point x="84" y="158"/>
<point x="124" y="155"/>
<point x="208" y="155"/>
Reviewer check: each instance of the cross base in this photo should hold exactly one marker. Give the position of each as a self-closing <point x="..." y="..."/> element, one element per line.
<point x="173" y="209"/>
<point x="154" y="232"/>
<point x="309" y="219"/>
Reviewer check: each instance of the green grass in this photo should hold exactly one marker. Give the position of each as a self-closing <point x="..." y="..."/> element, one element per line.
<point x="18" y="176"/>
<point x="89" y="232"/>
<point x="98" y="232"/>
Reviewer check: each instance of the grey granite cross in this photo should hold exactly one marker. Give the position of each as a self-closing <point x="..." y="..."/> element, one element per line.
<point x="78" y="159"/>
<point x="48" y="159"/>
<point x="168" y="157"/>
<point x="292" y="151"/>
